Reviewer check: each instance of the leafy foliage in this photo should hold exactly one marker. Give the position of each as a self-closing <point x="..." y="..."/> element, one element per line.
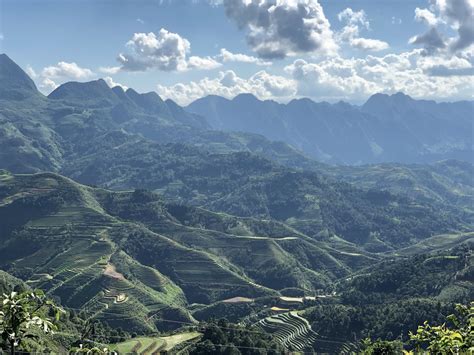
<point x="454" y="339"/>
<point x="24" y="314"/>
<point x="223" y="337"/>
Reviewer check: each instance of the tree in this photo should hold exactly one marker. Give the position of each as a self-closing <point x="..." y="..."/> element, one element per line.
<point x="23" y="314"/>
<point x="381" y="347"/>
<point x="92" y="351"/>
<point x="459" y="338"/>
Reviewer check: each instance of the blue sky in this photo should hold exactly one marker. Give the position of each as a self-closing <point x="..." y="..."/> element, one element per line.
<point x="351" y="50"/>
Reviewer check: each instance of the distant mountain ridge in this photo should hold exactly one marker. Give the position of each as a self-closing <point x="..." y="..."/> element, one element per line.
<point x="387" y="128"/>
<point x="39" y="133"/>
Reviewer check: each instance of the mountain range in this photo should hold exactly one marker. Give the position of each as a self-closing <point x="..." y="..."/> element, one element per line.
<point x="147" y="215"/>
<point x="387" y="128"/>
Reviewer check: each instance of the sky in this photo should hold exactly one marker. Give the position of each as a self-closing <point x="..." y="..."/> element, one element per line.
<point x="327" y="50"/>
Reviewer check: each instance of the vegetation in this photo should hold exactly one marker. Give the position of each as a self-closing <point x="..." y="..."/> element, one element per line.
<point x="24" y="316"/>
<point x="222" y="337"/>
<point x="171" y="226"/>
<point x="455" y="339"/>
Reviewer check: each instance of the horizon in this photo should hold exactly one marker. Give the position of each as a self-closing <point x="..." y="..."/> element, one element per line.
<point x="361" y="103"/>
<point x="349" y="52"/>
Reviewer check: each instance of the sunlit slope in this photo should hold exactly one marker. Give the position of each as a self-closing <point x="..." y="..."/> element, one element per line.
<point x="136" y="261"/>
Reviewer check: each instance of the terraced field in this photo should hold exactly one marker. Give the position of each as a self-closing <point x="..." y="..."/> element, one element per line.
<point x="153" y="345"/>
<point x="290" y="329"/>
<point x="437" y="243"/>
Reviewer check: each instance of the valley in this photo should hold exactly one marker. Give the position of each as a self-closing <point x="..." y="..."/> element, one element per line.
<point x="168" y="228"/>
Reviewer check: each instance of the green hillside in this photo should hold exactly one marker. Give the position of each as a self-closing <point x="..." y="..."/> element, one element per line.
<point x="139" y="262"/>
<point x="126" y="259"/>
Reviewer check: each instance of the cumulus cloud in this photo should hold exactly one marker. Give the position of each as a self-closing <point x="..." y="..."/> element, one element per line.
<point x="52" y="76"/>
<point x="166" y="51"/>
<point x="277" y="29"/>
<point x="227" y="56"/>
<point x="64" y="70"/>
<point x="205" y="63"/>
<point x="425" y="15"/>
<point x="458" y="14"/>
<point x="47" y="85"/>
<point x="368" y="44"/>
<point x="352" y="17"/>
<point x="410" y="72"/>
<point x="335" y="78"/>
<point x="229" y="84"/>
<point x="349" y="34"/>
<point x="111" y="83"/>
<point x="431" y="41"/>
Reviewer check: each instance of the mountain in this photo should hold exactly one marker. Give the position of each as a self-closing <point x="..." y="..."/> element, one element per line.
<point x="39" y="133"/>
<point x="14" y="83"/>
<point x="387" y="128"/>
<point x="132" y="143"/>
<point x="132" y="211"/>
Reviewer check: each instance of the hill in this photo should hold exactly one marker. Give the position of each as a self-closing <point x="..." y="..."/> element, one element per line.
<point x="448" y="182"/>
<point x="127" y="256"/>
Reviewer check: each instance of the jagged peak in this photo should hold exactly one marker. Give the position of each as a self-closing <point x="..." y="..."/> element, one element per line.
<point x="14" y="82"/>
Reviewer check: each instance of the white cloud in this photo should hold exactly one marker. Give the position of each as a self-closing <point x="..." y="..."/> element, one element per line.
<point x="204" y="63"/>
<point x="109" y="70"/>
<point x="47" y="85"/>
<point x="111" y="83"/>
<point x="65" y="70"/>
<point x="409" y="72"/>
<point x="31" y="72"/>
<point x="426" y="16"/>
<point x="227" y="56"/>
<point x="277" y="29"/>
<point x="2" y="36"/>
<point x="350" y="32"/>
<point x="229" y="84"/>
<point x="352" y="17"/>
<point x="49" y="78"/>
<point x="165" y="51"/>
<point x="439" y="77"/>
<point x="368" y="44"/>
